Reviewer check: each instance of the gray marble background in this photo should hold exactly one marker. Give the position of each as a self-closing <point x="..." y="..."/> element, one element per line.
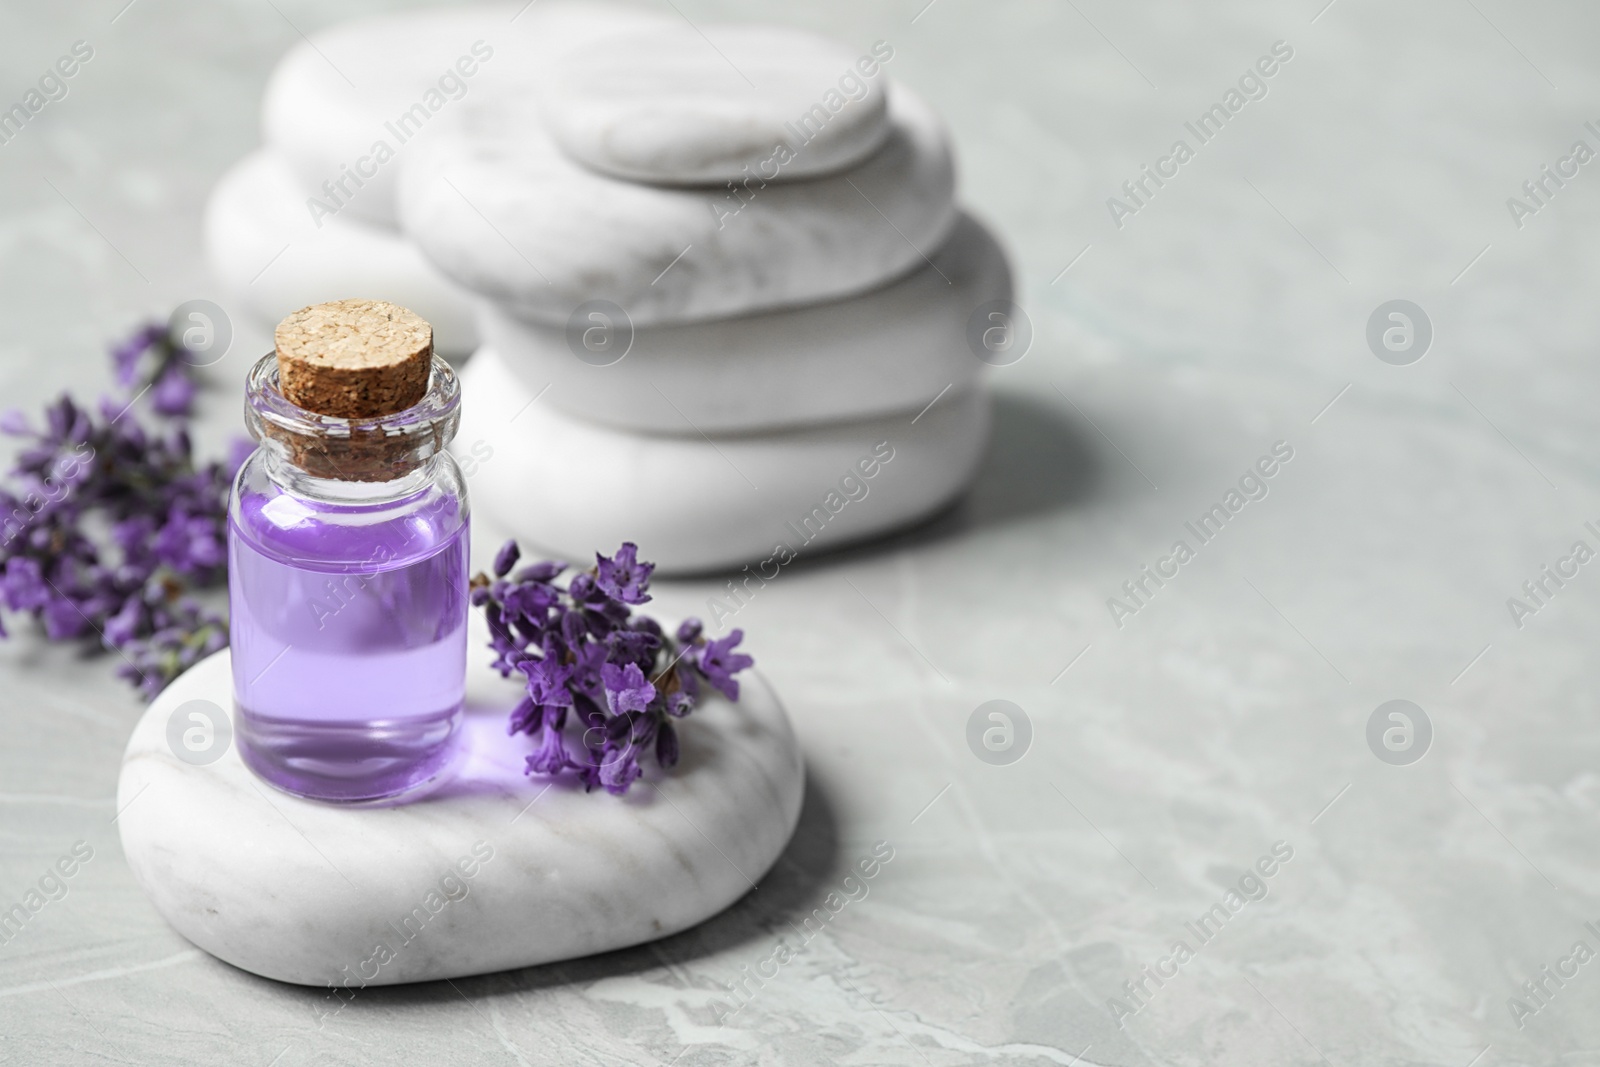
<point x="1167" y="754"/>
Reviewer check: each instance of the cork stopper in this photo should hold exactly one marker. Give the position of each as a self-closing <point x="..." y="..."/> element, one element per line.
<point x="354" y="359"/>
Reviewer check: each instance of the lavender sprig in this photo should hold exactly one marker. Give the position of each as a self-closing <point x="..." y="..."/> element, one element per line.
<point x="587" y="657"/>
<point x="106" y="526"/>
<point x="153" y="360"/>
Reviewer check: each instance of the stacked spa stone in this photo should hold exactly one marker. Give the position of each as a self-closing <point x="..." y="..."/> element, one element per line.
<point x="725" y="296"/>
<point x="310" y="217"/>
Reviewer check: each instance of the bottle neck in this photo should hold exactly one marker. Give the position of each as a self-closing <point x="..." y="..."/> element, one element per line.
<point x="333" y="458"/>
<point x="283" y="472"/>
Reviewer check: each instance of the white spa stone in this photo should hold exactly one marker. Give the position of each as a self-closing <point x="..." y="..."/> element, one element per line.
<point x="890" y="349"/>
<point x="272" y="259"/>
<point x="500" y="208"/>
<point x="305" y="892"/>
<point x="334" y="97"/>
<point x="681" y="105"/>
<point x="574" y="487"/>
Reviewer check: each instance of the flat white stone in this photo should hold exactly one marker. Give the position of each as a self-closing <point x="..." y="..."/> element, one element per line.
<point x="273" y="259"/>
<point x="305" y="892"/>
<point x="891" y="349"/>
<point x="502" y="210"/>
<point x="333" y="97"/>
<point x="705" y="503"/>
<point x="683" y="105"/>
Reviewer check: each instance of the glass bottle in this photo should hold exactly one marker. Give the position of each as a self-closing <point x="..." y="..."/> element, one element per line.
<point x="347" y="588"/>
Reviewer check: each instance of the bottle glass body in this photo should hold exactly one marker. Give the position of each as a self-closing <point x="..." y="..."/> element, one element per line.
<point x="347" y="554"/>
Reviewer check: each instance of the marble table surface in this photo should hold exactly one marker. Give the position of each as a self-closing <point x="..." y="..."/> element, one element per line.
<point x="1170" y="745"/>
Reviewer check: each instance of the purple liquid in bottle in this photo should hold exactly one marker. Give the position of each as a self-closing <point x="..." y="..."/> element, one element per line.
<point x="349" y="645"/>
<point x="347" y="589"/>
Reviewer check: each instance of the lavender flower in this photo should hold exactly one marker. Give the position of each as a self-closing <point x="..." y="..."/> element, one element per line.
<point x="550" y="758"/>
<point x="545" y="571"/>
<point x="622" y="577"/>
<point x="626" y="689"/>
<point x="631" y="647"/>
<point x="107" y="526"/>
<point x="681" y="692"/>
<point x="618" y="770"/>
<point x="547" y="681"/>
<point x="581" y="649"/>
<point x="127" y="355"/>
<point x="506" y="558"/>
<point x="154" y="361"/>
<point x="172" y="394"/>
<point x="667" y="746"/>
<point x="719" y="663"/>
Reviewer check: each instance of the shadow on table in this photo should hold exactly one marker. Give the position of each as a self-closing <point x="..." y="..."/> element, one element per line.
<point x="1040" y="460"/>
<point x="810" y="867"/>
